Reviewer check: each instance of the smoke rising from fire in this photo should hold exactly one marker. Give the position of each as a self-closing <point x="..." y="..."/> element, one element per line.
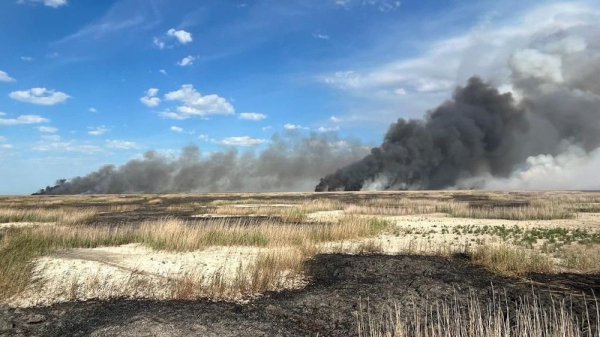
<point x="547" y="122"/>
<point x="290" y="162"/>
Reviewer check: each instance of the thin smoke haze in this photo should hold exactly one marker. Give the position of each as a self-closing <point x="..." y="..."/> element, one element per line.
<point x="290" y="162"/>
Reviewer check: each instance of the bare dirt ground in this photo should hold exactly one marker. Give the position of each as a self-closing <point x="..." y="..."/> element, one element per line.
<point x="324" y="308"/>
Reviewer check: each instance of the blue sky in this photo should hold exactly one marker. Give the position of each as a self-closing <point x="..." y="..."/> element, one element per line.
<point x="85" y="83"/>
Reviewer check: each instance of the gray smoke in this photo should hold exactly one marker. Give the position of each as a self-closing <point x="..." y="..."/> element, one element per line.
<point x="291" y="162"/>
<point x="482" y="138"/>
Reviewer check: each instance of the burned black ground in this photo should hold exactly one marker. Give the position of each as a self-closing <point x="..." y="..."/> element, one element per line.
<point x="326" y="307"/>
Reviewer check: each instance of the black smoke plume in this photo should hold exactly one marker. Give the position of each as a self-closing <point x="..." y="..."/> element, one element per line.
<point x="475" y="130"/>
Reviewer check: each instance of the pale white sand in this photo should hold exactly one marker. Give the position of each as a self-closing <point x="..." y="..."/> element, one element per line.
<point x="129" y="270"/>
<point x="8" y="225"/>
<point x="325" y="216"/>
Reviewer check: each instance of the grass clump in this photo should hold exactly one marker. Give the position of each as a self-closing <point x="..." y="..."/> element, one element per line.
<point x="511" y="261"/>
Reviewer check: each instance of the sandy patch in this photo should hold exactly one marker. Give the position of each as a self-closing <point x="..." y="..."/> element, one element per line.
<point x="263" y="205"/>
<point x="325" y="216"/>
<point x="130" y="271"/>
<point x="228" y="216"/>
<point x="433" y="233"/>
<point x="8" y="225"/>
<point x="589" y="221"/>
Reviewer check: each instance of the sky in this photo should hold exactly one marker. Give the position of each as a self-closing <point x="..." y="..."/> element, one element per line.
<point x="85" y="83"/>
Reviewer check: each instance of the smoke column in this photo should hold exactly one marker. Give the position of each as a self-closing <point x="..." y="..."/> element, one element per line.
<point x="475" y="130"/>
<point x="289" y="163"/>
<point x="542" y="133"/>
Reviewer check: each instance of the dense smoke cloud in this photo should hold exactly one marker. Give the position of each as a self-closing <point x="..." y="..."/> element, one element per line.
<point x="546" y="126"/>
<point x="290" y="162"/>
<point x="476" y="130"/>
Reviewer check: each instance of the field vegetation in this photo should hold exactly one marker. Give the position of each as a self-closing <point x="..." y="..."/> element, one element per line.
<point x="512" y="234"/>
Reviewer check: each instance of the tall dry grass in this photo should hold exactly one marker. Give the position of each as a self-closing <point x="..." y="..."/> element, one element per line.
<point x="269" y="271"/>
<point x="498" y="318"/>
<point x="538" y="209"/>
<point x="70" y="216"/>
<point x="512" y="261"/>
<point x="21" y="246"/>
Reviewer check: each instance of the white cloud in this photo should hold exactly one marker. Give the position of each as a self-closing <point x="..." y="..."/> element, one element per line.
<point x="204" y="137"/>
<point x="294" y="127"/>
<point x="92" y="110"/>
<point x="23" y="119"/>
<point x="186" y="61"/>
<point x="49" y="3"/>
<point x="54" y="143"/>
<point x="265" y="128"/>
<point x="162" y="71"/>
<point x="98" y="131"/>
<point x="400" y="91"/>
<point x="66" y="146"/>
<point x="176" y="129"/>
<point x="195" y="103"/>
<point x="6" y="146"/>
<point x="325" y="129"/>
<point x="150" y="99"/>
<point x="242" y="141"/>
<point x="381" y="5"/>
<point x="5" y="78"/>
<point x="120" y="144"/>
<point x="173" y="115"/>
<point x="182" y="36"/>
<point x="27" y="58"/>
<point x="47" y="129"/>
<point x="51" y="138"/>
<point x="335" y="119"/>
<point x="40" y="96"/>
<point x="252" y="116"/>
<point x="321" y="36"/>
<point x="158" y="43"/>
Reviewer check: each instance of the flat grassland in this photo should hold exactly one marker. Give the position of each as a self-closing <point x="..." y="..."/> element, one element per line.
<point x="487" y="263"/>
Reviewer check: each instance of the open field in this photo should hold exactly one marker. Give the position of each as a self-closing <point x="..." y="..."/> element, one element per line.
<point x="327" y="264"/>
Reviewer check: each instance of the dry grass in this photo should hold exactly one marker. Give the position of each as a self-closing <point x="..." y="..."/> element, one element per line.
<point x="581" y="258"/>
<point x="403" y="206"/>
<point x="271" y="270"/>
<point x="21" y="246"/>
<point x="285" y="238"/>
<point x="538" y="209"/>
<point x="526" y="317"/>
<point x="70" y="216"/>
<point x="511" y="261"/>
<point x="294" y="214"/>
<point x="120" y="208"/>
